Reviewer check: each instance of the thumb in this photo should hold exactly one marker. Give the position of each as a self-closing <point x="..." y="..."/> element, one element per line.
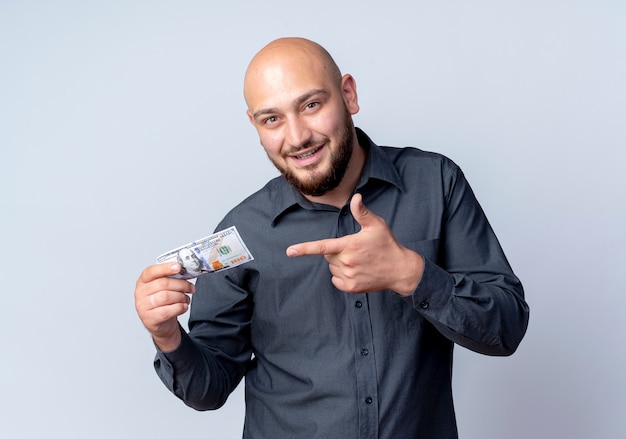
<point x="361" y="213"/>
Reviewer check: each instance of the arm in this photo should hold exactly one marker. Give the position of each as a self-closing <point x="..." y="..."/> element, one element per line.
<point x="470" y="293"/>
<point x="467" y="290"/>
<point x="214" y="356"/>
<point x="201" y="368"/>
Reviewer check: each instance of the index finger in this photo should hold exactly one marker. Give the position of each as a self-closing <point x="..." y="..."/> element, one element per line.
<point x="322" y="247"/>
<point x="159" y="270"/>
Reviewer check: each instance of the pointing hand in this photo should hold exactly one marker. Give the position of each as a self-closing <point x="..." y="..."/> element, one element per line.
<point x="367" y="261"/>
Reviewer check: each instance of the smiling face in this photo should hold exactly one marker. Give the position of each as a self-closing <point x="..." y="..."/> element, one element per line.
<point x="301" y="108"/>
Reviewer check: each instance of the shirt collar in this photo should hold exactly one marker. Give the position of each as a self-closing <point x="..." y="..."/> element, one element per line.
<point x="377" y="167"/>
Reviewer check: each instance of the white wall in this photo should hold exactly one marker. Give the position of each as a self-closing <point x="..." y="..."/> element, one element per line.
<point x="123" y="134"/>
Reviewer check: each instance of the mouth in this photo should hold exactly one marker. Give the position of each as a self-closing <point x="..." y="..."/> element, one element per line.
<point x="308" y="154"/>
<point x="307" y="157"/>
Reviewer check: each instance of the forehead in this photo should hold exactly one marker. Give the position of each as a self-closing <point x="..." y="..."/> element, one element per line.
<point x="278" y="78"/>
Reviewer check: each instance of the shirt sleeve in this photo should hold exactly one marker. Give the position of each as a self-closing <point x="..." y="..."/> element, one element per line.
<point x="214" y="356"/>
<point x="470" y="294"/>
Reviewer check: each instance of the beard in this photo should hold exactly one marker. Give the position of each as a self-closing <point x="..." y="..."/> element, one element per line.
<point x="317" y="183"/>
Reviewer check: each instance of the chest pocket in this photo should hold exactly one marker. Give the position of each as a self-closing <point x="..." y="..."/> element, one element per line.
<point x="429" y="248"/>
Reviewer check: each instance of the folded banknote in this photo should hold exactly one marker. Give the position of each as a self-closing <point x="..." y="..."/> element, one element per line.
<point x="220" y="251"/>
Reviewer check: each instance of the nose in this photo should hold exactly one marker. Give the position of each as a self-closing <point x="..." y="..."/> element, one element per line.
<point x="298" y="133"/>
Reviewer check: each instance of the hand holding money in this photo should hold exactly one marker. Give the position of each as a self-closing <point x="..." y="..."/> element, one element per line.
<point x="159" y="300"/>
<point x="367" y="261"/>
<point x="161" y="292"/>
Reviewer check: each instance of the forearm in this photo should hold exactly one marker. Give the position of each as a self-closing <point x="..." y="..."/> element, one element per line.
<point x="484" y="313"/>
<point x="201" y="377"/>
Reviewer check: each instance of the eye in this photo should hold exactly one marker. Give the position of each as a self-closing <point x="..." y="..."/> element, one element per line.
<point x="270" y="120"/>
<point x="311" y="105"/>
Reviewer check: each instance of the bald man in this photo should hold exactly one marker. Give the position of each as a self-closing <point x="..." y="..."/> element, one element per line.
<point x="371" y="264"/>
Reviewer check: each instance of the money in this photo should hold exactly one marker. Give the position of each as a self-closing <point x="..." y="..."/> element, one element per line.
<point x="220" y="251"/>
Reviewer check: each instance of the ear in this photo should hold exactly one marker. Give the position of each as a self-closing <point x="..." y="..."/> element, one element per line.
<point x="348" y="90"/>
<point x="250" y="118"/>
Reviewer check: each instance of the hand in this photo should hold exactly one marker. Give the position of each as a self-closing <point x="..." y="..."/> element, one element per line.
<point x="367" y="261"/>
<point x="159" y="300"/>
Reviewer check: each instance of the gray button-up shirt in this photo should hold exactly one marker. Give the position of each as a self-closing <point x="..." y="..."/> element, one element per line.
<point x="321" y="363"/>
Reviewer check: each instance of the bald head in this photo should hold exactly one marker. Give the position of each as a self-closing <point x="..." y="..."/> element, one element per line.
<point x="286" y="57"/>
<point x="302" y="107"/>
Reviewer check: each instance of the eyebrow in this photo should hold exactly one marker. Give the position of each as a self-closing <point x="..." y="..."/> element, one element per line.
<point x="299" y="101"/>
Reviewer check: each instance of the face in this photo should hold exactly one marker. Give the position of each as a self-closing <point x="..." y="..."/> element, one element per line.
<point x="189" y="260"/>
<point x="318" y="177"/>
<point x="303" y="117"/>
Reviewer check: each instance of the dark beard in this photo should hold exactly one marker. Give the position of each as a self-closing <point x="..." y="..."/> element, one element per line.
<point x="318" y="184"/>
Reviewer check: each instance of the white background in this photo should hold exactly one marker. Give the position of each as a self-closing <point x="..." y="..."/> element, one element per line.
<point x="123" y="134"/>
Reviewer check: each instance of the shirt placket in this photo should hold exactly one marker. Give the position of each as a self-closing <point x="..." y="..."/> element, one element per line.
<point x="364" y="359"/>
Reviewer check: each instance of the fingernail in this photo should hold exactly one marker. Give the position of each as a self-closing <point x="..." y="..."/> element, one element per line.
<point x="292" y="252"/>
<point x="174" y="267"/>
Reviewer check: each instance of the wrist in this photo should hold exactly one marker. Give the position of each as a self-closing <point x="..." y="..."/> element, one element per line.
<point x="168" y="343"/>
<point x="412" y="271"/>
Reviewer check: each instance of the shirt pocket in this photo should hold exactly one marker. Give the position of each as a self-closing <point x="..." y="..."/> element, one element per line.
<point x="428" y="248"/>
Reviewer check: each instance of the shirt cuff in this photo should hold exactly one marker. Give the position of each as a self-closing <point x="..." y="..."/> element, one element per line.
<point x="434" y="290"/>
<point x="179" y="360"/>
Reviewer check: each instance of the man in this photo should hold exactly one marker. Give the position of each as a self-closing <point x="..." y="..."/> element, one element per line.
<point x="370" y="263"/>
<point x="191" y="264"/>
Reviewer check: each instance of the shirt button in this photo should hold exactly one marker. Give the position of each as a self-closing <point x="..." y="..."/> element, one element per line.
<point x="364" y="352"/>
<point x="368" y="400"/>
<point x="344" y="212"/>
<point x="424" y="304"/>
<point x="358" y="304"/>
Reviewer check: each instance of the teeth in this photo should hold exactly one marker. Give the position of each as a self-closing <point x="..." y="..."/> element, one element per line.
<point x="300" y="157"/>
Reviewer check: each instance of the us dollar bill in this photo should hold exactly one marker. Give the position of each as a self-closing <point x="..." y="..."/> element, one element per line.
<point x="220" y="251"/>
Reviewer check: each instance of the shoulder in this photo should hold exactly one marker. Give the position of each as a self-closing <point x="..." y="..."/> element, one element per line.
<point x="417" y="157"/>
<point x="259" y="206"/>
<point x="413" y="164"/>
<point x="406" y="158"/>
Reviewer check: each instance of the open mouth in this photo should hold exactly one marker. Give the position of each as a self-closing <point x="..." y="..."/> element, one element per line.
<point x="308" y="154"/>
